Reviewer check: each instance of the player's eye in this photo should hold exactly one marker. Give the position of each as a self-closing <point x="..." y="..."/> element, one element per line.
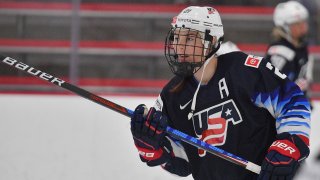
<point x="191" y="37"/>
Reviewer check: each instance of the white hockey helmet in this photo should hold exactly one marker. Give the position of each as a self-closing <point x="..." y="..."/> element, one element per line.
<point x="288" y="13"/>
<point x="201" y="19"/>
<point x="206" y="22"/>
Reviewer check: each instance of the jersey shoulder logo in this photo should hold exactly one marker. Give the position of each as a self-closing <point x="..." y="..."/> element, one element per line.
<point x="182" y="107"/>
<point x="253" y="61"/>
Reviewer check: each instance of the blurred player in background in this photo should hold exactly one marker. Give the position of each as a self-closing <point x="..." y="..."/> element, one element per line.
<point x="289" y="51"/>
<point x="226" y="98"/>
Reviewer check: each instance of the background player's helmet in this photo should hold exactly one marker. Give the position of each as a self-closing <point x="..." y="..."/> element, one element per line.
<point x="207" y="23"/>
<point x="288" y="13"/>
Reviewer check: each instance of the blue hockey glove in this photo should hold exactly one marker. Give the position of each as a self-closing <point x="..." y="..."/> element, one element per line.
<point x="148" y="131"/>
<point x="283" y="158"/>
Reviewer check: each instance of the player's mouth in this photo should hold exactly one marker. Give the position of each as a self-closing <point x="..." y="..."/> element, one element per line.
<point x="183" y="58"/>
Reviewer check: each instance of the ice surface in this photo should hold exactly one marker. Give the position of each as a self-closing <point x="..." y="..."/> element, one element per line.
<point x="68" y="137"/>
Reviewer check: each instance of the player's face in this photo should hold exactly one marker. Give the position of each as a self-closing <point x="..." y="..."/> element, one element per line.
<point x="299" y="29"/>
<point x="188" y="45"/>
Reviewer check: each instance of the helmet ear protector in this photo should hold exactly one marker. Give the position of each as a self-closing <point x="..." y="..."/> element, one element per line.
<point x="215" y="47"/>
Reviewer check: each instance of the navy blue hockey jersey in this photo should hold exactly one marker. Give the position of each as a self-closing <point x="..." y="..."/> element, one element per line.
<point x="289" y="59"/>
<point x="240" y="110"/>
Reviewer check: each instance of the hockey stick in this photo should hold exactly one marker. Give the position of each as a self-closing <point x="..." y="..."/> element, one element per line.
<point x="129" y="113"/>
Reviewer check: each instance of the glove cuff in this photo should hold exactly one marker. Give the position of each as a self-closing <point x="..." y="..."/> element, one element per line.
<point x="149" y="155"/>
<point x="286" y="148"/>
<point x="291" y="145"/>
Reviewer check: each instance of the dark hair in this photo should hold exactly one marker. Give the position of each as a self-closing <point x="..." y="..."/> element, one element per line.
<point x="178" y="87"/>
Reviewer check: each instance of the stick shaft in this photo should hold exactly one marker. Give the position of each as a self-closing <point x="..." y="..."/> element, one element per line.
<point x="127" y="112"/>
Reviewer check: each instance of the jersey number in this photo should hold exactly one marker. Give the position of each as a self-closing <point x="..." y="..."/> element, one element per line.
<point x="276" y="71"/>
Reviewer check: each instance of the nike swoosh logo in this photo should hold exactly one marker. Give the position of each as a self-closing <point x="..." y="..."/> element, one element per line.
<point x="184" y="106"/>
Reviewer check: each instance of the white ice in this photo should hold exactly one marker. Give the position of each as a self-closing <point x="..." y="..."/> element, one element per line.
<point x="50" y="137"/>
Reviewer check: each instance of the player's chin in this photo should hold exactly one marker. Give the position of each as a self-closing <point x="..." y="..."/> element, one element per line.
<point x="183" y="59"/>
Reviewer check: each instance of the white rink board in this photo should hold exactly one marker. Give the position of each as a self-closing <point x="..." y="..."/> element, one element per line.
<point x="70" y="138"/>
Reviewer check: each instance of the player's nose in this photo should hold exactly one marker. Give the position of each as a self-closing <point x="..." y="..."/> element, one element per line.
<point x="181" y="49"/>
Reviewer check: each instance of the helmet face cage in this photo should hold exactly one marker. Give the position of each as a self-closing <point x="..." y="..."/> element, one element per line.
<point x="186" y="50"/>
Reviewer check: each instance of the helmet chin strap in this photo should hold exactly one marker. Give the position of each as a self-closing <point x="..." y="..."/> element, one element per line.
<point x="194" y="99"/>
<point x="209" y="57"/>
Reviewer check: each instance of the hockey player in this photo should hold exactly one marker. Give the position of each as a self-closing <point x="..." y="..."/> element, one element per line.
<point x="235" y="101"/>
<point x="289" y="51"/>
